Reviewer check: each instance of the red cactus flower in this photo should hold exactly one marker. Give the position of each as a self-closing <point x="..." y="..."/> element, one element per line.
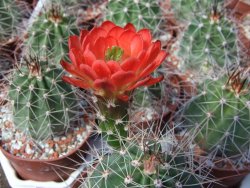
<point x="112" y="60"/>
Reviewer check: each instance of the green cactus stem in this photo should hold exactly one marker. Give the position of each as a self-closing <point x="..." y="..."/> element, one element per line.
<point x="142" y="14"/>
<point x="133" y="167"/>
<point x="186" y="10"/>
<point x="209" y="43"/>
<point x="219" y="117"/>
<point x="9" y="18"/>
<point x="113" y="119"/>
<point x="43" y="105"/>
<point x="48" y="35"/>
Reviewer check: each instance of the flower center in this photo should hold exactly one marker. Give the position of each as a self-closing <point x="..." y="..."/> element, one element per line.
<point x="114" y="53"/>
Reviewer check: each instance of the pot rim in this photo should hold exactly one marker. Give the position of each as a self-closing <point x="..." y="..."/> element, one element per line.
<point x="201" y="154"/>
<point x="9" y="155"/>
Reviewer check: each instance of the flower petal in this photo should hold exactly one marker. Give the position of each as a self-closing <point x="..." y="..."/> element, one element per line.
<point x="123" y="41"/>
<point x="155" y="51"/>
<point x="153" y="81"/>
<point x="148" y="81"/>
<point x="68" y="66"/>
<point x="87" y="70"/>
<point x="110" y="42"/>
<point x="161" y="57"/>
<point x="116" y="32"/>
<point x="146" y="36"/>
<point x="150" y="68"/>
<point x="114" y="66"/>
<point x="136" y="45"/>
<point x="89" y="57"/>
<point x="130" y="64"/>
<point x="74" y="42"/>
<point x="99" y="48"/>
<point x="150" y="55"/>
<point x="130" y="27"/>
<point x="108" y="25"/>
<point x="75" y="82"/>
<point x="123" y="97"/>
<point x="101" y="69"/>
<point x="83" y="34"/>
<point x="138" y="84"/>
<point x="76" y="57"/>
<point x="74" y="71"/>
<point x="122" y="78"/>
<point x="92" y="36"/>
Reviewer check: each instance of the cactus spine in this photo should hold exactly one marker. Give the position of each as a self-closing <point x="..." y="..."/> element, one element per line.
<point x="9" y="18"/>
<point x="48" y="35"/>
<point x="142" y="13"/>
<point x="185" y="10"/>
<point x="219" y="117"/>
<point x="132" y="167"/>
<point x="209" y="42"/>
<point x="43" y="104"/>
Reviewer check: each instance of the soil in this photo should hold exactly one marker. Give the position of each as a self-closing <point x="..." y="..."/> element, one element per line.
<point x="16" y="143"/>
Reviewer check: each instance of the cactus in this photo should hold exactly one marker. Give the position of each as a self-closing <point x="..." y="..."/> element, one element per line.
<point x="185" y="10"/>
<point x="219" y="117"/>
<point x="209" y="43"/>
<point x="48" y="35"/>
<point x="133" y="167"/>
<point x="43" y="105"/>
<point x="141" y="13"/>
<point x="9" y="18"/>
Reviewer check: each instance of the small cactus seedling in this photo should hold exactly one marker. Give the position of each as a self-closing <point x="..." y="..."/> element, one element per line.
<point x="209" y="42"/>
<point x="143" y="13"/>
<point x="133" y="167"/>
<point x="43" y="105"/>
<point x="48" y="35"/>
<point x="219" y="117"/>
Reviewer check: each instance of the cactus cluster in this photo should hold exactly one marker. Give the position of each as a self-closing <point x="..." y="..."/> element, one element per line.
<point x="150" y="123"/>
<point x="209" y="43"/>
<point x="141" y="13"/>
<point x="43" y="105"/>
<point x="48" y="35"/>
<point x="219" y="116"/>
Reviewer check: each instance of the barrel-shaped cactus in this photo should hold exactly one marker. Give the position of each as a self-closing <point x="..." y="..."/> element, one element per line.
<point x="209" y="42"/>
<point x="48" y="35"/>
<point x="133" y="167"/>
<point x="43" y="105"/>
<point x="219" y="117"/>
<point x="143" y="13"/>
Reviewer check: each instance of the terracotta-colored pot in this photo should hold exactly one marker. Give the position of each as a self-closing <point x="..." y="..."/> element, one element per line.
<point x="244" y="36"/>
<point x="239" y="8"/>
<point x="51" y="169"/>
<point x="228" y="177"/>
<point x="224" y="172"/>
